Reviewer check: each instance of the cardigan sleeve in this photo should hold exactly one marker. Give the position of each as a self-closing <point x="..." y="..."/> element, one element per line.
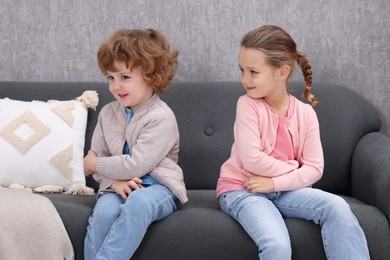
<point x="98" y="143"/>
<point x="104" y="182"/>
<point x="155" y="141"/>
<point x="100" y="148"/>
<point x="310" y="156"/>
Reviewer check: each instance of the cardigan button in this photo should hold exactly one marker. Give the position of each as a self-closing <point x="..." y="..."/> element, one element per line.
<point x="208" y="131"/>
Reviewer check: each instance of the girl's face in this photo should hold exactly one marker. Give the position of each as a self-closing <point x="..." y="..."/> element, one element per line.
<point x="128" y="86"/>
<point x="259" y="79"/>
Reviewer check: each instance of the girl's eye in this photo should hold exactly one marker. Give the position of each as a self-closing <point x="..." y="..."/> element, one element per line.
<point x="110" y="77"/>
<point x="124" y="77"/>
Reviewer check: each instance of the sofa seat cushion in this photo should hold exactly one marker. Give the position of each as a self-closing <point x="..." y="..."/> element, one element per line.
<point x="200" y="230"/>
<point x="74" y="212"/>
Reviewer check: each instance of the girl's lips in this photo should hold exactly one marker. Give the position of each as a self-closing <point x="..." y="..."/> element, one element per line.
<point x="249" y="88"/>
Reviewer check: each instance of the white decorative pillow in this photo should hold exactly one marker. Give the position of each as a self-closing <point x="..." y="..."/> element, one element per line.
<point x="42" y="144"/>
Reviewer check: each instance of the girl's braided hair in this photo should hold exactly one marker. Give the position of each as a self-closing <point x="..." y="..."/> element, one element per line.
<point x="280" y="49"/>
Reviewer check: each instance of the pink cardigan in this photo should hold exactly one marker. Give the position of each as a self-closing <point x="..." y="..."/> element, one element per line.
<point x="255" y="131"/>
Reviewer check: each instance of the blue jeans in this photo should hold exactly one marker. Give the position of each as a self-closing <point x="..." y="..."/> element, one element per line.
<point x="261" y="215"/>
<point x="117" y="226"/>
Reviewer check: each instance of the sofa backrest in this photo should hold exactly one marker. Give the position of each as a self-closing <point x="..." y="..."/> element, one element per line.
<point x="205" y="114"/>
<point x="344" y="117"/>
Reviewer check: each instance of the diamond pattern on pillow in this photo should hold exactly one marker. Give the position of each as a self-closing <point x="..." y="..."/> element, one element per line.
<point x="22" y="144"/>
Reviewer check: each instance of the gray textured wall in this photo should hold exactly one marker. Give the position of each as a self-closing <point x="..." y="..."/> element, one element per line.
<point x="347" y="41"/>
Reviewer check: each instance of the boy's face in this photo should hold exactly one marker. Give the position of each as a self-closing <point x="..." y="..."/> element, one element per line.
<point x="128" y="85"/>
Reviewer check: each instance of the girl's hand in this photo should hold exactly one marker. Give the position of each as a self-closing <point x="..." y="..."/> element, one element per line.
<point x="90" y="163"/>
<point x="259" y="184"/>
<point x="124" y="188"/>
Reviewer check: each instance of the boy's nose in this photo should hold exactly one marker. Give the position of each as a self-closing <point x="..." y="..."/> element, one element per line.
<point x="117" y="85"/>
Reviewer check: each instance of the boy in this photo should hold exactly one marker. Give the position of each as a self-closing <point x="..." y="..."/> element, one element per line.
<point x="135" y="145"/>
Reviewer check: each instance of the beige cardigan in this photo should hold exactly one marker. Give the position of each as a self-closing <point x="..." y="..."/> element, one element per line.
<point x="153" y="137"/>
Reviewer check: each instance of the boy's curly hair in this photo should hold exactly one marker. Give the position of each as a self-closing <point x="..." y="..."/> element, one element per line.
<point x="147" y="49"/>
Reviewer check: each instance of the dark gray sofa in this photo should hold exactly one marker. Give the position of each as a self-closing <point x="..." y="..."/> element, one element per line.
<point x="357" y="166"/>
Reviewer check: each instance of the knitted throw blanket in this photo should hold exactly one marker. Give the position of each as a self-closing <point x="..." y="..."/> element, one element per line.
<point x="31" y="228"/>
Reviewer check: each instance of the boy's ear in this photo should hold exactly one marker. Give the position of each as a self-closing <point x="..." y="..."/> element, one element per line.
<point x="285" y="71"/>
<point x="154" y="82"/>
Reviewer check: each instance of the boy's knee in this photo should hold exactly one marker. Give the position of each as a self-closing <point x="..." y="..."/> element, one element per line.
<point x="275" y="249"/>
<point x="106" y="215"/>
<point x="138" y="200"/>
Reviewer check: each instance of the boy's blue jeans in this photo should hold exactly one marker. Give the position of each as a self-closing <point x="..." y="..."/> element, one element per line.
<point x="117" y="226"/>
<point x="261" y="215"/>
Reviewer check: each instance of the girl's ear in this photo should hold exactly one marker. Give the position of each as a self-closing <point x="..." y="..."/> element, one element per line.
<point x="285" y="71"/>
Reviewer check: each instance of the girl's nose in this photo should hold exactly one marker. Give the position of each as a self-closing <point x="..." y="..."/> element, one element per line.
<point x="245" y="79"/>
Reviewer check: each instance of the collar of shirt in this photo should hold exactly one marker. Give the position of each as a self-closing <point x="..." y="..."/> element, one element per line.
<point x="129" y="114"/>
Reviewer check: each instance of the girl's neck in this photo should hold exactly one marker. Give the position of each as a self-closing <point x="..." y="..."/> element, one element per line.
<point x="279" y="105"/>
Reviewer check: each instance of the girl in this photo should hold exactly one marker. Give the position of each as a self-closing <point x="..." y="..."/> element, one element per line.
<point x="135" y="164"/>
<point x="277" y="156"/>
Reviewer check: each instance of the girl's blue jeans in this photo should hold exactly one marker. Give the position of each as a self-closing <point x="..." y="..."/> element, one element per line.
<point x="117" y="226"/>
<point x="261" y="215"/>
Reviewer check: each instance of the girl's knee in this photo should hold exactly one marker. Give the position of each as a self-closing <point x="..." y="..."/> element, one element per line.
<point x="339" y="209"/>
<point x="339" y="205"/>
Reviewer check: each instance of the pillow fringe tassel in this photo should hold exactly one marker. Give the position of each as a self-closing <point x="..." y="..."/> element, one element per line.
<point x="80" y="189"/>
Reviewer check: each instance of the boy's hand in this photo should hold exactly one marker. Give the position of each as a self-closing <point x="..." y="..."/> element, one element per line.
<point x="124" y="188"/>
<point x="259" y="184"/>
<point x="90" y="163"/>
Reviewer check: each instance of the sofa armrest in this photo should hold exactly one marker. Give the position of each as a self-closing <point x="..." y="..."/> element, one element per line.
<point x="370" y="171"/>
